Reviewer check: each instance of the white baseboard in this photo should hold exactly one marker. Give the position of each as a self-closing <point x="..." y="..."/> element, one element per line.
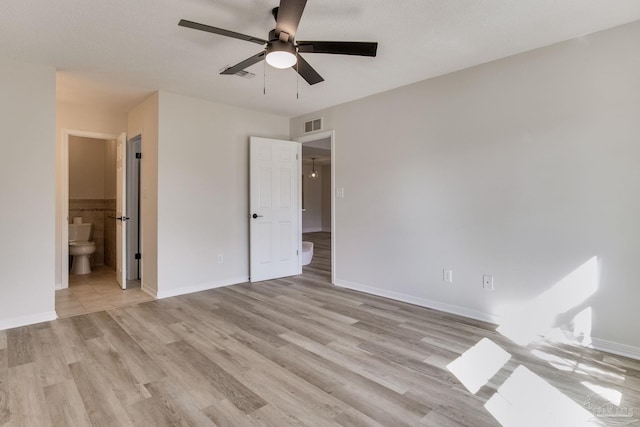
<point x="422" y="302"/>
<point x="596" y="343"/>
<point x="615" y="348"/>
<point x="201" y="287"/>
<point x="149" y="290"/>
<point x="28" y="320"/>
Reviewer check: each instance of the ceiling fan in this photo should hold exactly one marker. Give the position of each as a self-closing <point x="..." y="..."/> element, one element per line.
<point x="281" y="48"/>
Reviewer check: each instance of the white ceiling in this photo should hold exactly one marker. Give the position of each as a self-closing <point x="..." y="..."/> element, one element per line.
<point x="112" y="54"/>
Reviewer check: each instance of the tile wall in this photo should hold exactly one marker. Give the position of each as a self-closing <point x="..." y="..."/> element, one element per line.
<point x="98" y="212"/>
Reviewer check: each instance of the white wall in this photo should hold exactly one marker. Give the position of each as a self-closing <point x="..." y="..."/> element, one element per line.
<point x="27" y="174"/>
<point x="312" y="215"/>
<point x="143" y="120"/>
<point x="78" y="118"/>
<point x="523" y="168"/>
<point x="203" y="158"/>
<point x="86" y="168"/>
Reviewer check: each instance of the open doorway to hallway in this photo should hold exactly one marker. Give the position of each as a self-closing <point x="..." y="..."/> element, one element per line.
<point x="317" y="204"/>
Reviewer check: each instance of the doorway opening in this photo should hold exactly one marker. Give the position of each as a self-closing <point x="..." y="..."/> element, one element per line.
<point x="90" y="201"/>
<point x="318" y="202"/>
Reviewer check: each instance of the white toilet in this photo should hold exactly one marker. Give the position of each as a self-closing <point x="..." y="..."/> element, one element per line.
<point x="307" y="252"/>
<point x="80" y="247"/>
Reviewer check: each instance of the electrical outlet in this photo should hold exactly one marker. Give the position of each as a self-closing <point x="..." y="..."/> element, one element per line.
<point x="220" y="259"/>
<point x="447" y="276"/>
<point x="487" y="282"/>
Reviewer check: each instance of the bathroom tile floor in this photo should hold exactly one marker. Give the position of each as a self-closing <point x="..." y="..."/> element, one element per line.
<point x="96" y="292"/>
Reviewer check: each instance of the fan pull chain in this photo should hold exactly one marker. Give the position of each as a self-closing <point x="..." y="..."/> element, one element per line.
<point x="264" y="77"/>
<point x="298" y="78"/>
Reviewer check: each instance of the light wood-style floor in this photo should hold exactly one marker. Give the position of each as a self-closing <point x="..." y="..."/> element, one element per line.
<point x="291" y="352"/>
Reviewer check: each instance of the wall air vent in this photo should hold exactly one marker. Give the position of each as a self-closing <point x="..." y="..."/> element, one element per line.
<point x="313" y="125"/>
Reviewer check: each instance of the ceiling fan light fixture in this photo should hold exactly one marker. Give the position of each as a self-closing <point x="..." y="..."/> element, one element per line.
<point x="281" y="54"/>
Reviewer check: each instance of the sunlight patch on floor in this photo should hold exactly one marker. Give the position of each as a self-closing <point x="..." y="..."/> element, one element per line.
<point x="613" y="396"/>
<point x="526" y="400"/>
<point x="476" y="366"/>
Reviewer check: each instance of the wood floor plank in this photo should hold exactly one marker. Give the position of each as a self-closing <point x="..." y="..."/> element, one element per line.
<point x="111" y="363"/>
<point x="374" y="406"/>
<point x="198" y="388"/>
<point x="27" y="405"/>
<point x="293" y="398"/>
<point x="179" y="403"/>
<point x="232" y="389"/>
<point x="50" y="361"/>
<point x="150" y="412"/>
<point x="19" y="346"/>
<point x="132" y="356"/>
<point x="146" y="333"/>
<point x="225" y="414"/>
<point x="103" y="406"/>
<point x="437" y="419"/>
<point x="5" y="411"/>
<point x="65" y="405"/>
<point x="295" y="351"/>
<point x="4" y="364"/>
<point x="329" y="376"/>
<point x="353" y="418"/>
<point x="71" y="346"/>
<point x="86" y="327"/>
<point x="286" y="319"/>
<point x="355" y="364"/>
<point x="271" y="416"/>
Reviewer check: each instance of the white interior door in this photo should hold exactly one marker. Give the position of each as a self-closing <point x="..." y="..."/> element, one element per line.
<point x="275" y="215"/>
<point x="121" y="210"/>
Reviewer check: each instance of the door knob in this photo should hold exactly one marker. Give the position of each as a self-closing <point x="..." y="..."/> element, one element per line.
<point x="254" y="216"/>
<point x="122" y="218"/>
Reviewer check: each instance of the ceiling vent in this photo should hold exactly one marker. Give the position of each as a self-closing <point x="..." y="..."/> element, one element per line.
<point x="241" y="73"/>
<point x="313" y="125"/>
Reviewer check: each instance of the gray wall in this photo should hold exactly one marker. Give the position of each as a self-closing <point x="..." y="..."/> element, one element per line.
<point x="27" y="189"/>
<point x="524" y="168"/>
<point x="203" y="181"/>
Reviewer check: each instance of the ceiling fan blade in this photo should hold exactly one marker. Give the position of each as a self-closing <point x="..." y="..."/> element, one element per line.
<point x="245" y="64"/>
<point x="289" y="14"/>
<point x="307" y="72"/>
<point x="220" y="31"/>
<point x="339" y="48"/>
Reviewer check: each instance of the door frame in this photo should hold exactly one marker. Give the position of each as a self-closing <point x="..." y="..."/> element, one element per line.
<point x="314" y="137"/>
<point x="64" y="196"/>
